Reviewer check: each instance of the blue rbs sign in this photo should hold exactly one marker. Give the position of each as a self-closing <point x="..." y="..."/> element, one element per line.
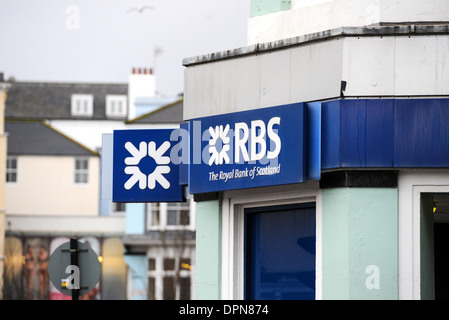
<point x="263" y="147"/>
<point x="143" y="170"/>
<point x="248" y="149"/>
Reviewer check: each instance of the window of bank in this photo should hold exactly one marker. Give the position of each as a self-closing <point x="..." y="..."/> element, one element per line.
<point x="280" y="243"/>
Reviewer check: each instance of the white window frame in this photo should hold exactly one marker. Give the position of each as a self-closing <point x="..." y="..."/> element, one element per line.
<point x="178" y="207"/>
<point x="163" y="209"/>
<point x="159" y="273"/>
<point x="111" y="105"/>
<point x="151" y="208"/>
<point x="234" y="204"/>
<point x="116" y="206"/>
<point x="12" y="170"/>
<point x="82" y="171"/>
<point x="154" y="274"/>
<point x="87" y="107"/>
<point x="411" y="185"/>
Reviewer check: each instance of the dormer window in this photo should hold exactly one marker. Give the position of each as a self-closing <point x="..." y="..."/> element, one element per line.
<point x="82" y="105"/>
<point x="116" y="105"/>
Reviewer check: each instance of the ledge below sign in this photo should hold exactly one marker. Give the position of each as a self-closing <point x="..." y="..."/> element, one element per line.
<point x="248" y="149"/>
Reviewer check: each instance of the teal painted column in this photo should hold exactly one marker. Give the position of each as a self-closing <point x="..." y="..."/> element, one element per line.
<point x="261" y="7"/>
<point x="360" y="243"/>
<point x="208" y="250"/>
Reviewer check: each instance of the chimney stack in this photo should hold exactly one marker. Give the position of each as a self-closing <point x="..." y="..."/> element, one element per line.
<point x="142" y="71"/>
<point x="141" y="84"/>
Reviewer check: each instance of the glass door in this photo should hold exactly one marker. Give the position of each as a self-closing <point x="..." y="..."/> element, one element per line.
<point x="280" y="252"/>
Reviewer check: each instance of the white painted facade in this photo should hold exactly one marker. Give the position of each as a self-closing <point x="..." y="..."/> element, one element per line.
<point x="309" y="16"/>
<point x="371" y="65"/>
<point x="321" y="44"/>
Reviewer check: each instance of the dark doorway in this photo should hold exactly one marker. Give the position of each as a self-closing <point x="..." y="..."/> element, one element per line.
<point x="441" y="245"/>
<point x="439" y="203"/>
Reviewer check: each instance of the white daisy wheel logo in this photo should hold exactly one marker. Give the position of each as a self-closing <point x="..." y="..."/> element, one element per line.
<point x="157" y="175"/>
<point x="219" y="145"/>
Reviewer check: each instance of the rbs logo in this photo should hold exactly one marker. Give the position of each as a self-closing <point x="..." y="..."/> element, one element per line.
<point x="247" y="149"/>
<point x="250" y="143"/>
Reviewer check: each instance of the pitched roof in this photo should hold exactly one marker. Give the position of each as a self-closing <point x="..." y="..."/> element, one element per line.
<point x="170" y="113"/>
<point x="40" y="100"/>
<point x="38" y="138"/>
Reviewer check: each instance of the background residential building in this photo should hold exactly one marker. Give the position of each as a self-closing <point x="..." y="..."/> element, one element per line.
<point x="3" y="144"/>
<point x="52" y="190"/>
<point x="53" y="177"/>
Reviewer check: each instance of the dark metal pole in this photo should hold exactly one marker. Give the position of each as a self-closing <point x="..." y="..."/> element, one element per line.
<point x="74" y="261"/>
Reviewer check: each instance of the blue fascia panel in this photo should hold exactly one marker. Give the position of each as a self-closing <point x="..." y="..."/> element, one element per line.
<point x="379" y="144"/>
<point x="330" y="134"/>
<point x="421" y="133"/>
<point x="313" y="163"/>
<point x="367" y="133"/>
<point x="353" y="133"/>
<point x="385" y="133"/>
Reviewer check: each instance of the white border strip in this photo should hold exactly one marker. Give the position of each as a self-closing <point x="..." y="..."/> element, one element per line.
<point x="411" y="184"/>
<point x="233" y="206"/>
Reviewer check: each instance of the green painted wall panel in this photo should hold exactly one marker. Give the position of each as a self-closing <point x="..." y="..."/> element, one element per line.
<point x="360" y="243"/>
<point x="261" y="7"/>
<point x="208" y="250"/>
<point x="335" y="244"/>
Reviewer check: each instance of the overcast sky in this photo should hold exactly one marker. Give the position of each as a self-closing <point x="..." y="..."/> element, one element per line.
<point x="101" y="40"/>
